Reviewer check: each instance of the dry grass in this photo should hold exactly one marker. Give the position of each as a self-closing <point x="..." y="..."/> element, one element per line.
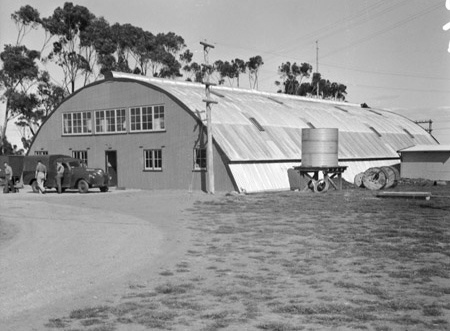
<point x="298" y="261"/>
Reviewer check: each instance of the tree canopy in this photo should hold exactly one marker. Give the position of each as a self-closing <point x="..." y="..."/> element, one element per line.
<point x="293" y="74"/>
<point x="84" y="46"/>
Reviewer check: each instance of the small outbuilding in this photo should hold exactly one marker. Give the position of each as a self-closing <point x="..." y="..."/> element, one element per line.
<point x="426" y="162"/>
<point x="150" y="133"/>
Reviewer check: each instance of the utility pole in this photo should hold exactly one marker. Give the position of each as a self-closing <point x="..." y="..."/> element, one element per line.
<point x="208" y="101"/>
<point x="317" y="65"/>
<point x="430" y="125"/>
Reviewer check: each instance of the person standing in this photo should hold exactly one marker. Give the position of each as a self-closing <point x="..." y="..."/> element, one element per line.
<point x="41" y="176"/>
<point x="59" y="175"/>
<point x="8" y="178"/>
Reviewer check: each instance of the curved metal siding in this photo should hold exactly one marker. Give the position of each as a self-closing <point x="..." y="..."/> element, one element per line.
<point x="284" y="118"/>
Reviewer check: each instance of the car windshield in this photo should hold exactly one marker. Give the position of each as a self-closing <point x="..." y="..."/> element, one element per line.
<point x="74" y="164"/>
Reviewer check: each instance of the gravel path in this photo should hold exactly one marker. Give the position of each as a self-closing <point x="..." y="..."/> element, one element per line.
<point x="71" y="250"/>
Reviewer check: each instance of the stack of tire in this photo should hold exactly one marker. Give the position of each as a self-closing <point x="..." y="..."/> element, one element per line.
<point x="378" y="178"/>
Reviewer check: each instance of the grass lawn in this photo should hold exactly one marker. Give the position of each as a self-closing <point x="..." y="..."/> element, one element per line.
<point x="299" y="261"/>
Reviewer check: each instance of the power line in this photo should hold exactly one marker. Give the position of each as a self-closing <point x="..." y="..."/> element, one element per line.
<point x="333" y="28"/>
<point x="399" y="88"/>
<point x="375" y="34"/>
<point x="389" y="73"/>
<point x="318" y="34"/>
<point x="387" y="29"/>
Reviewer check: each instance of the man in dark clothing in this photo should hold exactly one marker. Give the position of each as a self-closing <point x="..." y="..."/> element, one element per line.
<point x="59" y="175"/>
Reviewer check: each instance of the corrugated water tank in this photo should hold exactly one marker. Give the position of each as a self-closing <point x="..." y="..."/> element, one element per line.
<point x="320" y="147"/>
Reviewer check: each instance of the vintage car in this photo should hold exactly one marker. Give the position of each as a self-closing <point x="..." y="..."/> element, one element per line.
<point x="76" y="174"/>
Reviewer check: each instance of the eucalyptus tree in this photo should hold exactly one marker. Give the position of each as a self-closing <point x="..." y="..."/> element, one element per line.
<point x="18" y="73"/>
<point x="253" y="65"/>
<point x="239" y="68"/>
<point x="292" y="76"/>
<point x="226" y="71"/>
<point x="67" y="25"/>
<point x="26" y="19"/>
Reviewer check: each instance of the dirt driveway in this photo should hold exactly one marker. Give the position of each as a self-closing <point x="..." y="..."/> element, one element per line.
<point x="58" y="251"/>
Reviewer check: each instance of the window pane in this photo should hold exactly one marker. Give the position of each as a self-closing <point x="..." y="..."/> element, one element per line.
<point x="158" y="159"/>
<point x="147" y="118"/>
<point x="147" y="159"/>
<point x="67" y="124"/>
<point x="110" y="121"/>
<point x="76" y="122"/>
<point x="100" y="124"/>
<point x="135" y="119"/>
<point x="159" y="117"/>
<point x="200" y="158"/>
<point x="121" y="120"/>
<point x="87" y="122"/>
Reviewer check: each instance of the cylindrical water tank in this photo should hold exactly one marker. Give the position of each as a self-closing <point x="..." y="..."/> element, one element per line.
<point x="320" y="147"/>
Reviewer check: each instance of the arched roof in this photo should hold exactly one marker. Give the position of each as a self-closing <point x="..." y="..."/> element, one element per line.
<point x="254" y="126"/>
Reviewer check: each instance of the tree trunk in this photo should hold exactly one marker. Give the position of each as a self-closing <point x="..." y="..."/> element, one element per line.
<point x="5" y="125"/>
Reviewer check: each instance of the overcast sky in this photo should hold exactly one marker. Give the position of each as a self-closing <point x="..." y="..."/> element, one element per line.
<point x="391" y="54"/>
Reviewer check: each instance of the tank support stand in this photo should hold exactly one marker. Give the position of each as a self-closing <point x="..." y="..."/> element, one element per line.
<point x="311" y="176"/>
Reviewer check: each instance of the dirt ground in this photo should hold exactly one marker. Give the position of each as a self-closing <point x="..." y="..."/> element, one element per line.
<point x="172" y="260"/>
<point x="60" y="252"/>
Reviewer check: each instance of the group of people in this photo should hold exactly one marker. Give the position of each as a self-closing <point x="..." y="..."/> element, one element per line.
<point x="40" y="175"/>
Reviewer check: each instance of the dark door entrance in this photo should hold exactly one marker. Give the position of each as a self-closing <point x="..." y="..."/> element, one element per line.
<point x="111" y="166"/>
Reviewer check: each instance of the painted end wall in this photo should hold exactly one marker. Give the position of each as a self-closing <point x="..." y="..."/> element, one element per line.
<point x="182" y="134"/>
<point x="426" y="165"/>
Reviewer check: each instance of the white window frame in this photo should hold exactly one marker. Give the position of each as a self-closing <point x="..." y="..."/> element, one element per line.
<point x="80" y="121"/>
<point x="153" y="160"/>
<point x="198" y="159"/>
<point x="81" y="155"/>
<point x="110" y="121"/>
<point x="40" y="152"/>
<point x="147" y="119"/>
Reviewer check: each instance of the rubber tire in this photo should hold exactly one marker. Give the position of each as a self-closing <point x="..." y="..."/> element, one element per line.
<point x="321" y="186"/>
<point x="83" y="186"/>
<point x="104" y="189"/>
<point x="34" y="186"/>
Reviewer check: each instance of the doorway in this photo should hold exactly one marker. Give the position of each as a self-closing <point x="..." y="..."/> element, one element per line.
<point x="111" y="166"/>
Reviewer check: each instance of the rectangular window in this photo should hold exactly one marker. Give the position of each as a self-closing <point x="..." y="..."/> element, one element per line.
<point x="77" y="123"/>
<point x="40" y="152"/>
<point x="81" y="155"/>
<point x="147" y="118"/>
<point x="110" y="121"/>
<point x="199" y="158"/>
<point x="152" y="159"/>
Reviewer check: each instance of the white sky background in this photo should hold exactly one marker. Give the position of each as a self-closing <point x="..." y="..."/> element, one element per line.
<point x="391" y="54"/>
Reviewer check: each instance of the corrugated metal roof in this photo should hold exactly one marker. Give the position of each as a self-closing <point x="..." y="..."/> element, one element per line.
<point x="426" y="148"/>
<point x="284" y="116"/>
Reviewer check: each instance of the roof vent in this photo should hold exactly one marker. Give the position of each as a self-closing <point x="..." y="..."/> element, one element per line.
<point x="217" y="93"/>
<point x="374" y="130"/>
<point x="256" y="123"/>
<point x="276" y="100"/>
<point x="409" y="133"/>
<point x="344" y="110"/>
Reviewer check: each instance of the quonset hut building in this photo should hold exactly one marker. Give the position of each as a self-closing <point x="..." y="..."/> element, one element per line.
<point x="150" y="133"/>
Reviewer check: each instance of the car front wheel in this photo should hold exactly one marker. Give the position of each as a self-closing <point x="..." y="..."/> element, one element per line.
<point x="83" y="186"/>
